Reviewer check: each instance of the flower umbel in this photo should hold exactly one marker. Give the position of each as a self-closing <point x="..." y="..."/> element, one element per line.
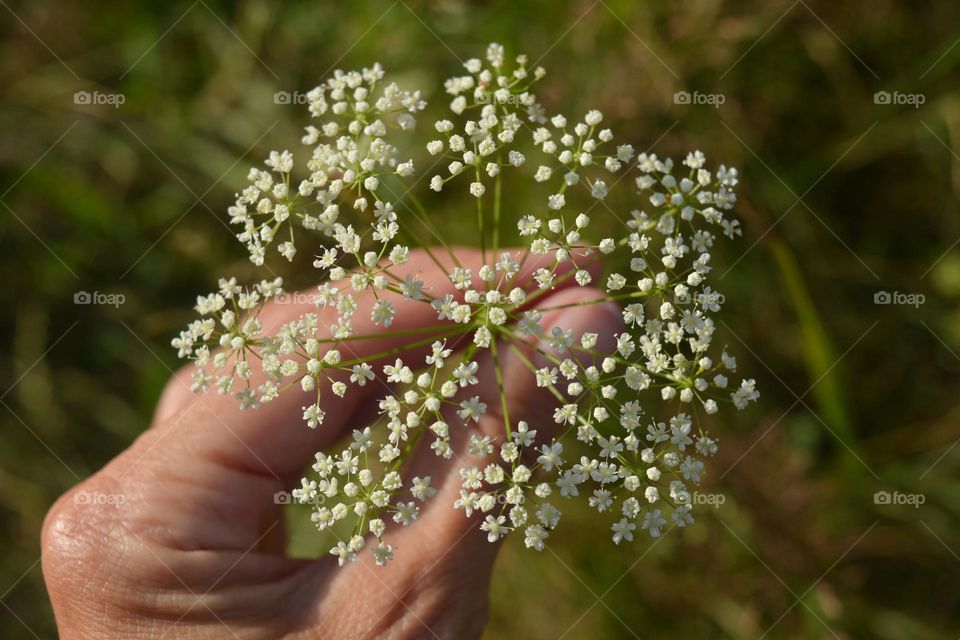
<point x="623" y="433"/>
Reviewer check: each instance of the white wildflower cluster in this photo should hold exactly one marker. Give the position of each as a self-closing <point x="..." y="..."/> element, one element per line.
<point x="349" y="156"/>
<point x="622" y="433"/>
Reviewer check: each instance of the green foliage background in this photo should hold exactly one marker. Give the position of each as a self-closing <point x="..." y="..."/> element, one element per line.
<point x="840" y="197"/>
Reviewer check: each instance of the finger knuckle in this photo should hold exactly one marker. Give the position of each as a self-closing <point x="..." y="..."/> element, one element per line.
<point x="73" y="538"/>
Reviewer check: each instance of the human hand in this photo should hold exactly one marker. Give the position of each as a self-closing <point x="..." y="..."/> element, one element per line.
<point x="179" y="535"/>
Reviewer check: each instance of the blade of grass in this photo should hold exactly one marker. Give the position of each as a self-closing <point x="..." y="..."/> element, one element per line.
<point x="820" y="357"/>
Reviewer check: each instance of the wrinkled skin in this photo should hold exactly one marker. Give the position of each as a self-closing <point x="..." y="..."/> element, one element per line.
<point x="196" y="548"/>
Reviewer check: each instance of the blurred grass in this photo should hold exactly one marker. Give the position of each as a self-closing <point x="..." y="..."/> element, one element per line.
<point x="820" y="357"/>
<point x="132" y="200"/>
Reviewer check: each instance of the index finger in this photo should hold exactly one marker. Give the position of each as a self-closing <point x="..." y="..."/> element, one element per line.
<point x="272" y="438"/>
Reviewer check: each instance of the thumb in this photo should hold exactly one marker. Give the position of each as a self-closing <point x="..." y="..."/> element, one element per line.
<point x="443" y="539"/>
